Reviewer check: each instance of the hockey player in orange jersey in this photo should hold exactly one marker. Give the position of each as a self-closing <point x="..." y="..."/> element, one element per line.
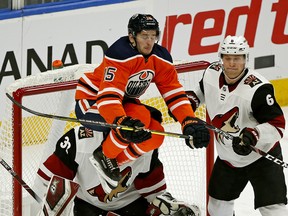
<point x="111" y="93"/>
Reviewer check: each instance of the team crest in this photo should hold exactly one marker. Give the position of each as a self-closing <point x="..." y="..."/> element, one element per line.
<point x="121" y="187"/>
<point x="227" y="123"/>
<point x="252" y="81"/>
<point x="138" y="83"/>
<point x="85" y="133"/>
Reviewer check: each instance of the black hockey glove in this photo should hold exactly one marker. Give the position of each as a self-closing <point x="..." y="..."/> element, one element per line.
<point x="201" y="136"/>
<point x="131" y="136"/>
<point x="241" y="144"/>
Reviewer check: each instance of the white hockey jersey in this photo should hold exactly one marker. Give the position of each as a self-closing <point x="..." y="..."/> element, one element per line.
<point x="71" y="161"/>
<point x="250" y="102"/>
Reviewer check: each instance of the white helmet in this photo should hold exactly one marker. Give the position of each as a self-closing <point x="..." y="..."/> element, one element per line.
<point x="234" y="45"/>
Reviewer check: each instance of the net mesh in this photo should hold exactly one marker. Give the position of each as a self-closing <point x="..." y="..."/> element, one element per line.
<point x="185" y="169"/>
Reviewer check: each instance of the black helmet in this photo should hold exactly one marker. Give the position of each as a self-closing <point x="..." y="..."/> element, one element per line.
<point x="139" y="22"/>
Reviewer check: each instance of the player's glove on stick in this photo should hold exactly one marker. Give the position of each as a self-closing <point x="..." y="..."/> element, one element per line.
<point x="247" y="137"/>
<point x="201" y="136"/>
<point x="131" y="136"/>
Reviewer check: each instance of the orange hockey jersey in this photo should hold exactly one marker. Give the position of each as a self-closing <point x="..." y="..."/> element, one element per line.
<point x="124" y="72"/>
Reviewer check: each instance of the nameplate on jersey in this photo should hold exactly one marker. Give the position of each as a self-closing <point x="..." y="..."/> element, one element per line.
<point x="85" y="133"/>
<point x="252" y="81"/>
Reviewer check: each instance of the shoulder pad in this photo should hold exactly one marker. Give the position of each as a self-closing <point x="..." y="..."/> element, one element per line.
<point x="66" y="145"/>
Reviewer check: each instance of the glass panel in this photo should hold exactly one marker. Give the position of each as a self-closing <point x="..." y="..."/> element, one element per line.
<point x="5" y="4"/>
<point x="32" y="2"/>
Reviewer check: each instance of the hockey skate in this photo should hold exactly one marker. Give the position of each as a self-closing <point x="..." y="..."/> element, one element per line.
<point x="165" y="204"/>
<point x="106" y="167"/>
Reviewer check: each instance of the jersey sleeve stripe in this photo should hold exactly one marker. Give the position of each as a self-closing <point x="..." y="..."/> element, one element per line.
<point x="108" y="96"/>
<point x="89" y="84"/>
<point x="108" y="103"/>
<point x="178" y="104"/>
<point x="174" y="91"/>
<point x="86" y="91"/>
<point x="175" y="98"/>
<point x="93" y="110"/>
<point x="111" y="89"/>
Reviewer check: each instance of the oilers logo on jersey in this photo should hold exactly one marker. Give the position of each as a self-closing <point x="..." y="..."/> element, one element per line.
<point x="138" y="83"/>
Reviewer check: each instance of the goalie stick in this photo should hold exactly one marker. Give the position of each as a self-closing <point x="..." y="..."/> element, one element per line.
<point x="103" y="124"/>
<point x="21" y="181"/>
<point x="31" y="191"/>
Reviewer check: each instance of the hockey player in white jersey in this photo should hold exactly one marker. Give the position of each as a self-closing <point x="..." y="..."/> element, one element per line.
<point x="241" y="101"/>
<point x="141" y="191"/>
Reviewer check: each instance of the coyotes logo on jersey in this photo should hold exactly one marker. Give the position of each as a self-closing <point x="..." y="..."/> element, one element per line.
<point x="121" y="187"/>
<point x="226" y="122"/>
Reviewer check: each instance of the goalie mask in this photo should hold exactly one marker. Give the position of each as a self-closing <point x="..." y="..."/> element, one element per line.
<point x="235" y="45"/>
<point x="139" y="22"/>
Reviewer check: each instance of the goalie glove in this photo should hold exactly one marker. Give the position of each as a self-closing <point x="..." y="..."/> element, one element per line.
<point x="129" y="135"/>
<point x="165" y="204"/>
<point x="201" y="136"/>
<point x="247" y="137"/>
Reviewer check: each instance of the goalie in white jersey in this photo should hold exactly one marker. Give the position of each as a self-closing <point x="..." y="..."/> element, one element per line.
<point x="141" y="191"/>
<point x="240" y="101"/>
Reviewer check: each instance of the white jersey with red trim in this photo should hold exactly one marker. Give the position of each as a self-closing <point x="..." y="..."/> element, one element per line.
<point x="71" y="161"/>
<point x="250" y="102"/>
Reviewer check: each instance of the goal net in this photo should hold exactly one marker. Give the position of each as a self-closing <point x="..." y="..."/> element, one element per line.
<point x="27" y="140"/>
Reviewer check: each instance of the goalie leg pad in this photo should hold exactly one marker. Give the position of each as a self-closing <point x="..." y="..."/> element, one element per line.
<point x="59" y="197"/>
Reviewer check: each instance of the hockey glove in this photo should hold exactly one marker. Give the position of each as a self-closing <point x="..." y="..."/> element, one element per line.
<point x="241" y="144"/>
<point x="131" y="136"/>
<point x="201" y="136"/>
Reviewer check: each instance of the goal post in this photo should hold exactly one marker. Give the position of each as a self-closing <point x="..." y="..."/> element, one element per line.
<point x="27" y="140"/>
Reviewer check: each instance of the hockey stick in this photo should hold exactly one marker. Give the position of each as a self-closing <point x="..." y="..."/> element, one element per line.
<point x="98" y="123"/>
<point x="171" y="134"/>
<point x="21" y="181"/>
<point x="255" y="149"/>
